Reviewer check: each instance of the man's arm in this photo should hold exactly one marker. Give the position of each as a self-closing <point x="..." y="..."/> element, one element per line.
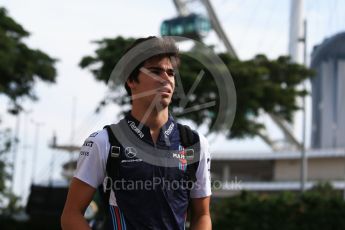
<point x="79" y="197"/>
<point x="200" y="216"/>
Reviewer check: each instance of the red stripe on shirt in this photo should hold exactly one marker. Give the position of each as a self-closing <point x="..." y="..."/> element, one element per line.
<point x="118" y="218"/>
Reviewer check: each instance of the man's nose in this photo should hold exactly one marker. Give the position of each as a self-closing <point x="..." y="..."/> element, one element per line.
<point x="164" y="75"/>
<point x="166" y="79"/>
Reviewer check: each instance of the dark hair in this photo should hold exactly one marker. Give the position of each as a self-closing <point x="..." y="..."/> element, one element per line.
<point x="164" y="46"/>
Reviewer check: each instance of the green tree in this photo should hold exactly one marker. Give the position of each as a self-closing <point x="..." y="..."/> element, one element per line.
<point x="20" y="68"/>
<point x="262" y="85"/>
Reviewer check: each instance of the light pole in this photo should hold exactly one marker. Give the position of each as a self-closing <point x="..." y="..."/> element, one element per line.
<point x="304" y="162"/>
<point x="34" y="154"/>
<point x="25" y="146"/>
<point x="15" y="151"/>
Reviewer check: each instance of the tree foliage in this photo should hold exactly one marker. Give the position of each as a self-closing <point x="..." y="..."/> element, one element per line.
<point x="20" y="69"/>
<point x="20" y="66"/>
<point x="262" y="85"/>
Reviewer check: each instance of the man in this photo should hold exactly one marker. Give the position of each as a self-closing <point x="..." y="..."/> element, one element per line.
<point x="151" y="85"/>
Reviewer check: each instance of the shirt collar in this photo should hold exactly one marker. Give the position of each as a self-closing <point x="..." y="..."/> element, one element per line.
<point x="168" y="137"/>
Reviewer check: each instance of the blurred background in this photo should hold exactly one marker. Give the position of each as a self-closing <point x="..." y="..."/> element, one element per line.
<point x="281" y="164"/>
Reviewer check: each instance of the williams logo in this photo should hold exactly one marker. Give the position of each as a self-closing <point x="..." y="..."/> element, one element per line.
<point x="187" y="154"/>
<point x="181" y="155"/>
<point x="135" y="129"/>
<point x="169" y="130"/>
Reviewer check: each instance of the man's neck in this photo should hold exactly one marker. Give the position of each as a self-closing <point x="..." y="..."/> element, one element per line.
<point x="154" y="119"/>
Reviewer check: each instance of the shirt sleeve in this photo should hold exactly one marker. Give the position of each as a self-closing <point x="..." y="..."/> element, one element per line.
<point x="91" y="164"/>
<point x="202" y="186"/>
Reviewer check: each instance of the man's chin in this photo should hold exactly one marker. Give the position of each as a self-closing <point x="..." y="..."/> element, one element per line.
<point x="164" y="103"/>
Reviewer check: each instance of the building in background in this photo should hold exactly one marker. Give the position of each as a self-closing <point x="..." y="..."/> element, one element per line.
<point x="268" y="172"/>
<point x="328" y="93"/>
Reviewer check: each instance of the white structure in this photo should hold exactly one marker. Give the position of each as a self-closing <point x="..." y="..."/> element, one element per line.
<point x="296" y="31"/>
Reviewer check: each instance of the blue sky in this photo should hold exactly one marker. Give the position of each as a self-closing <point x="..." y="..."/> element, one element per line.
<point x="64" y="29"/>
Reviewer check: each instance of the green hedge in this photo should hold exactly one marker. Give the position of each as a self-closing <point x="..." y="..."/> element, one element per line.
<point x="319" y="208"/>
<point x="7" y="223"/>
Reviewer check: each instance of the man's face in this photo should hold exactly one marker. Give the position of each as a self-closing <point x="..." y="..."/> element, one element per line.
<point x="156" y="83"/>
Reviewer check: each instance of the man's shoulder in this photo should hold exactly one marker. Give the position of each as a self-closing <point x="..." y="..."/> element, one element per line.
<point x="200" y="137"/>
<point x="187" y="128"/>
<point x="200" y="142"/>
<point x="99" y="137"/>
<point x="96" y="145"/>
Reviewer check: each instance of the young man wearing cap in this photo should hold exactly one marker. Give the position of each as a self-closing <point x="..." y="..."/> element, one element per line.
<point x="143" y="194"/>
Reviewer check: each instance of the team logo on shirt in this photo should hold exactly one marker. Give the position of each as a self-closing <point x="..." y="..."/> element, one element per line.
<point x="169" y="130"/>
<point x="135" y="129"/>
<point x="184" y="155"/>
<point x="181" y="155"/>
<point x="93" y="134"/>
<point x="84" y="153"/>
<point x="88" y="143"/>
<point x="130" y="152"/>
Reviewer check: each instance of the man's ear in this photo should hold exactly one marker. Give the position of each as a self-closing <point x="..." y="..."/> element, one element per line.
<point x="131" y="84"/>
